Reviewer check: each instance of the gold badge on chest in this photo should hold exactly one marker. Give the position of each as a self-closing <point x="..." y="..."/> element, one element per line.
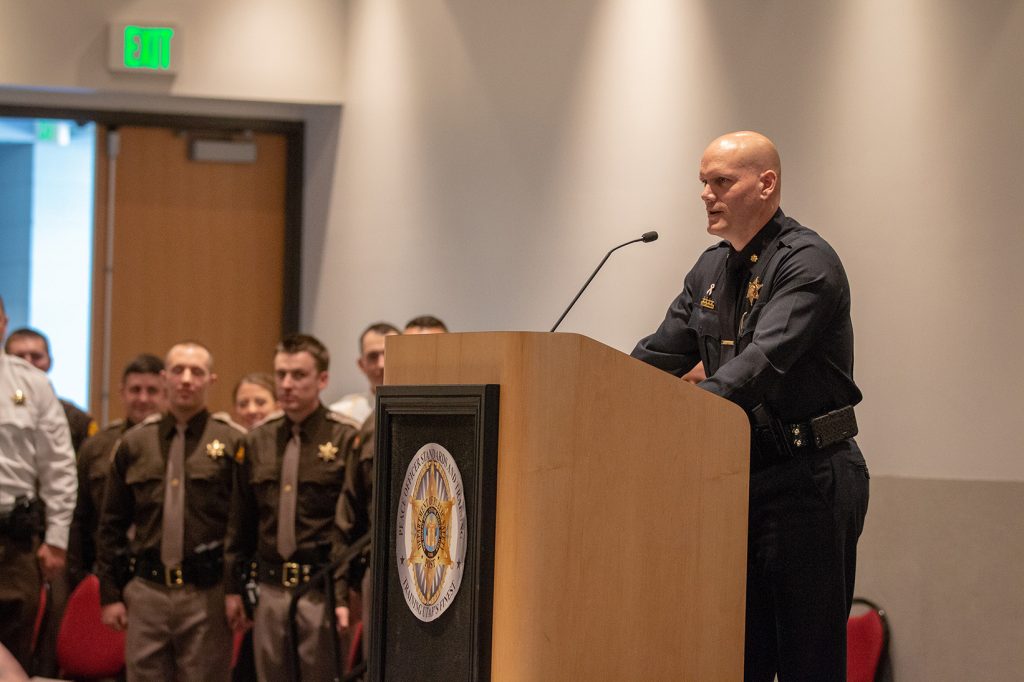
<point x="215" y="449"/>
<point x="18" y="398"/>
<point x="753" y="290"/>
<point x="328" y="452"/>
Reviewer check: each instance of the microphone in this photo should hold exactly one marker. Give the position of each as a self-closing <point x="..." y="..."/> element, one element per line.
<point x="646" y="238"/>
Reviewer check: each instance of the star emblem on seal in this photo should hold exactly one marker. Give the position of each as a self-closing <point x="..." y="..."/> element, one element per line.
<point x="433" y="522"/>
<point x="753" y="291"/>
<point x="328" y="452"/>
<point x="215" y="449"/>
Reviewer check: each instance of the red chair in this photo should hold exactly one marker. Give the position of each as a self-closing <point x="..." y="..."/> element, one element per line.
<point x="867" y="642"/>
<point x="86" y="648"/>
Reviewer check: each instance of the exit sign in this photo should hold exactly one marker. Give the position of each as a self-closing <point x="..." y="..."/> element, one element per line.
<point x="144" y="48"/>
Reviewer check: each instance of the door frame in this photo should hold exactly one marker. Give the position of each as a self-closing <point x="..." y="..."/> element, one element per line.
<point x="294" y="132"/>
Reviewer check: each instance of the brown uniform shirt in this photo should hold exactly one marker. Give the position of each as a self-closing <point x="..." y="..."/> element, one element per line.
<point x="93" y="465"/>
<point x="325" y="443"/>
<point x="354" y="516"/>
<point x="80" y="423"/>
<point x="135" y="490"/>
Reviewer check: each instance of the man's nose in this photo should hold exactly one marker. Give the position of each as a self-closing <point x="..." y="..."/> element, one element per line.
<point x="707" y="195"/>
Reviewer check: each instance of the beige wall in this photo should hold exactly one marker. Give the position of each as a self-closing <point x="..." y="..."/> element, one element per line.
<point x="233" y="49"/>
<point x="490" y="153"/>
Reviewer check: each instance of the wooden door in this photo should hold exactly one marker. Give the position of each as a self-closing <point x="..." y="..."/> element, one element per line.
<point x="198" y="254"/>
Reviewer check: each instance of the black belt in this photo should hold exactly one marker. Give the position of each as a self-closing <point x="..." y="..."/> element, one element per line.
<point x="820" y="432"/>
<point x="205" y="572"/>
<point x="286" y="574"/>
<point x="773" y="441"/>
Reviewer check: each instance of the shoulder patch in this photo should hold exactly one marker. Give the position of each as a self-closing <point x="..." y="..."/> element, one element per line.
<point x="225" y="418"/>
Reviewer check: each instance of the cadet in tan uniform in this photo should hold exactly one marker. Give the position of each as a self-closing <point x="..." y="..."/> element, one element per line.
<point x="171" y="477"/>
<point x="142" y="394"/>
<point x="37" y="475"/>
<point x="283" y="510"/>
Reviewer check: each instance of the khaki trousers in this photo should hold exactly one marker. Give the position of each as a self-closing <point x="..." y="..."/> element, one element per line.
<point x="176" y="634"/>
<point x="272" y="643"/>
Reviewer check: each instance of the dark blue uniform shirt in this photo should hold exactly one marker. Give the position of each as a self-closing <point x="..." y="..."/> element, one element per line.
<point x="771" y="324"/>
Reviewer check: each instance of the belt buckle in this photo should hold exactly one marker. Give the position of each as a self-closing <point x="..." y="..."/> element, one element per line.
<point x="173" y="577"/>
<point x="289" y="574"/>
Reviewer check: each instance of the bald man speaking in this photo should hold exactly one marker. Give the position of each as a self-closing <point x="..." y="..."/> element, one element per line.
<point x="767" y="310"/>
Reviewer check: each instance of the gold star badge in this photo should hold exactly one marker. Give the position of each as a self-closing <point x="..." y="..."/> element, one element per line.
<point x="753" y="291"/>
<point x="328" y="452"/>
<point x="18" y="397"/>
<point x="753" y="258"/>
<point x="215" y="450"/>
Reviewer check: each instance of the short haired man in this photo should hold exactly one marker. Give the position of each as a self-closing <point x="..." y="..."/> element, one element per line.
<point x="171" y="478"/>
<point x="767" y="310"/>
<point x="282" y="513"/>
<point x="356" y="407"/>
<point x="142" y="395"/>
<point x="37" y="494"/>
<point x="32" y="346"/>
<point x="425" y="324"/>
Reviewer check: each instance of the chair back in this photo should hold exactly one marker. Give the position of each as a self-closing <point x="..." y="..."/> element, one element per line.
<point x="867" y="641"/>
<point x="86" y="648"/>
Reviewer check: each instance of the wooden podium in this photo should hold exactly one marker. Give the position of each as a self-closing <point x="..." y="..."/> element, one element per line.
<point x="621" y="509"/>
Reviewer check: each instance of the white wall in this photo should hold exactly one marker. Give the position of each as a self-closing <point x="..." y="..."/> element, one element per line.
<point x="491" y="152"/>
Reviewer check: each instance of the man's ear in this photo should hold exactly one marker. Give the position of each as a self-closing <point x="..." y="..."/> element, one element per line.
<point x="769" y="183"/>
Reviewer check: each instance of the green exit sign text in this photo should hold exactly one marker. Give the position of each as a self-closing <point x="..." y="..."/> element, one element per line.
<point x="147" y="48"/>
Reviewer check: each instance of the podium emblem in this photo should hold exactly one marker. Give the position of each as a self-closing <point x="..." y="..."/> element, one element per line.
<point x="430" y="539"/>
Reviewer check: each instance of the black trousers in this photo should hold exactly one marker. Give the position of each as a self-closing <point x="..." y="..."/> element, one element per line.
<point x="806" y="515"/>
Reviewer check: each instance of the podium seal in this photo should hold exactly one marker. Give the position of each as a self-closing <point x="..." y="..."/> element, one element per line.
<point x="430" y="538"/>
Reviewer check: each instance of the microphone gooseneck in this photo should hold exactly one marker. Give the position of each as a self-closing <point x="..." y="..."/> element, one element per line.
<point x="646" y="238"/>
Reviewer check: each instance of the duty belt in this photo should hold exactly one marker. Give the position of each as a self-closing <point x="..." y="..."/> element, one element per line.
<point x="822" y="431"/>
<point x="774" y="441"/>
<point x="286" y="574"/>
<point x="200" y="574"/>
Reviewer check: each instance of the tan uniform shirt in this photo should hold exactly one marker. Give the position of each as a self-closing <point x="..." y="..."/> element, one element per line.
<point x="94" y="459"/>
<point x="326" y="441"/>
<point x="135" y="490"/>
<point x="35" y="447"/>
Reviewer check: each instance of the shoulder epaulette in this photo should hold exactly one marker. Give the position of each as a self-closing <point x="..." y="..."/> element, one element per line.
<point x="275" y="415"/>
<point x="225" y="418"/>
<point x="114" y="425"/>
<point x="343" y="419"/>
<point x="151" y="419"/>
